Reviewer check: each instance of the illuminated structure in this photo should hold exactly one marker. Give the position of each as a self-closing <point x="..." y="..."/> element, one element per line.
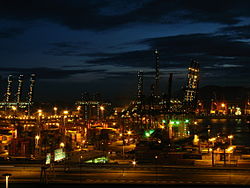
<point x="9" y="87"/>
<point x="154" y="99"/>
<point x="92" y="107"/>
<point x="31" y="89"/>
<point x="9" y="101"/>
<point x="191" y="89"/>
<point x="157" y="75"/>
<point x="19" y="89"/>
<point x="140" y="86"/>
<point x="167" y="98"/>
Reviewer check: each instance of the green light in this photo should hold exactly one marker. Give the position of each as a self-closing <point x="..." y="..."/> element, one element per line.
<point x="163" y="121"/>
<point x="148" y="133"/>
<point x="187" y="121"/>
<point x="177" y="122"/>
<point x="151" y="131"/>
<point x="98" y="160"/>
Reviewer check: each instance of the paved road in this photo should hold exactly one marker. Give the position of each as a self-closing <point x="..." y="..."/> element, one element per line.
<point x="132" y="175"/>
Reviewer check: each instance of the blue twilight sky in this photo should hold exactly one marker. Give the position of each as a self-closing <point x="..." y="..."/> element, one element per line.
<point x="99" y="45"/>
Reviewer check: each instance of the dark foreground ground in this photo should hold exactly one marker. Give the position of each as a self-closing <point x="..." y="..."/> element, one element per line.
<point x="56" y="185"/>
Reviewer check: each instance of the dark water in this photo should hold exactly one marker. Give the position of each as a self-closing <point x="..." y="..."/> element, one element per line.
<point x="240" y="128"/>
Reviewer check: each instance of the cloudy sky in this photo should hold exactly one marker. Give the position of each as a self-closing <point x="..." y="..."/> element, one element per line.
<point x="99" y="45"/>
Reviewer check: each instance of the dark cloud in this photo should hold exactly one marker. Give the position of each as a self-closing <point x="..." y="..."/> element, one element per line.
<point x="67" y="48"/>
<point x="73" y="14"/>
<point x="143" y="58"/>
<point x="219" y="54"/>
<point x="177" y="51"/>
<point x="209" y="44"/>
<point x="239" y="32"/>
<point x="72" y="66"/>
<point x="70" y="45"/>
<point x="224" y="12"/>
<point x="10" y="32"/>
<point x="97" y="15"/>
<point x="226" y="76"/>
<point x="48" y="73"/>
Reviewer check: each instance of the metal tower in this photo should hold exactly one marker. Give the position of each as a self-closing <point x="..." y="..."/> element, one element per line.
<point x="31" y="89"/>
<point x="19" y="88"/>
<point x="191" y="89"/>
<point x="140" y="85"/>
<point x="9" y="87"/>
<point x="157" y="75"/>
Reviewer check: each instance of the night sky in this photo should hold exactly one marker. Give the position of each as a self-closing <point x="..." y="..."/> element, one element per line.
<point x="98" y="46"/>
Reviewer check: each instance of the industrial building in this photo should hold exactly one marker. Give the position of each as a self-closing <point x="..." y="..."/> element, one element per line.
<point x="17" y="100"/>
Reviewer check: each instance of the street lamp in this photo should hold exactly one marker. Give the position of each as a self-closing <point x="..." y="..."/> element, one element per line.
<point x="102" y="108"/>
<point x="156" y="170"/>
<point x="7" y="175"/>
<point x="14" y="121"/>
<point x="212" y="140"/>
<point x="129" y="133"/>
<point x="37" y="137"/>
<point x="65" y="112"/>
<point x="37" y="149"/>
<point x="55" y="109"/>
<point x="102" y="112"/>
<point x="39" y="114"/>
<point x="14" y="108"/>
<point x="230" y="139"/>
<point x="134" y="162"/>
<point x="62" y="145"/>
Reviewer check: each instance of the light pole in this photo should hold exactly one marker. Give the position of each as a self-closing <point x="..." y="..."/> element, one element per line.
<point x="80" y="160"/>
<point x="134" y="163"/>
<point x="212" y="140"/>
<point x="78" y="109"/>
<point x="230" y="139"/>
<point x="129" y="133"/>
<point x="38" y="136"/>
<point x="14" y="109"/>
<point x="62" y="145"/>
<point x="156" y="170"/>
<point x="40" y="113"/>
<point x="55" y="110"/>
<point x="14" y="118"/>
<point x="7" y="175"/>
<point x="65" y="113"/>
<point x="123" y="144"/>
<point x="102" y="113"/>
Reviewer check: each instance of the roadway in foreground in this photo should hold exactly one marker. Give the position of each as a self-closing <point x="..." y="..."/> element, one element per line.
<point x="124" y="175"/>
